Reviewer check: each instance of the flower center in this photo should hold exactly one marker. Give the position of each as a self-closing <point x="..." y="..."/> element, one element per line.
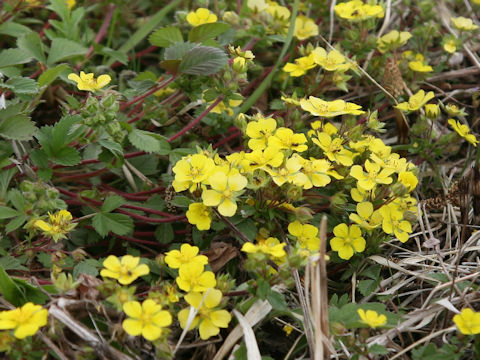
<point x="227" y="194"/>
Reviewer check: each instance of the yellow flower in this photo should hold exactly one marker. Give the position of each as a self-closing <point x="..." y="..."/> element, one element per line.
<point x="306" y="234"/>
<point x="432" y="111"/>
<point x="208" y="320"/>
<point x="463" y="131"/>
<point x="191" y="170"/>
<point x="374" y="175"/>
<point x="371" y="318"/>
<point x="347" y="240"/>
<point x="285" y="138"/>
<point x="419" y="64"/>
<point x="224" y="192"/>
<point x="454" y="110"/>
<point x="270" y="246"/>
<point x="71" y="3"/>
<point x="393" y="222"/>
<point x="304" y="28"/>
<point x="59" y="224"/>
<point x="334" y="149"/>
<point x="262" y="158"/>
<point x="393" y="40"/>
<point x="88" y="83"/>
<point x="318" y="172"/>
<point x="301" y="66"/>
<point x="366" y="217"/>
<point x="257" y="5"/>
<point x="146" y="319"/>
<point x="332" y="61"/>
<point x="356" y="10"/>
<point x="463" y="24"/>
<point x="408" y="179"/>
<point x="187" y="254"/>
<point x="199" y="215"/>
<point x="468" y="322"/>
<point x="287" y="329"/>
<point x="125" y="271"/>
<point x="319" y="107"/>
<point x="259" y="131"/>
<point x="277" y="11"/>
<point x="290" y="172"/>
<point x="416" y="101"/>
<point x="191" y="277"/>
<point x="24" y="321"/>
<point x="201" y="16"/>
<point x="450" y="45"/>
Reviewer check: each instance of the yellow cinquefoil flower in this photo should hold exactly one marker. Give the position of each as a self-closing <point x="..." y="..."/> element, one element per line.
<point x="201" y="16"/>
<point x="371" y="318"/>
<point x="285" y="138"/>
<point x="366" y="217"/>
<point x="257" y="5"/>
<point x="432" y="111"/>
<point x="374" y="175"/>
<point x="464" y="24"/>
<point x="419" y="64"/>
<point x="259" y="131"/>
<point x="125" y="271"/>
<point x="191" y="277"/>
<point x="333" y="149"/>
<point x="208" y="320"/>
<point x="267" y="157"/>
<point x="199" y="215"/>
<point x="393" y="40"/>
<point x="306" y="235"/>
<point x="347" y="240"/>
<point x="304" y="28"/>
<point x="24" y="321"/>
<point x="301" y="66"/>
<point x="393" y="222"/>
<point x="58" y="225"/>
<point x="146" y="319"/>
<point x="88" y="83"/>
<point x="332" y="61"/>
<point x="191" y="170"/>
<point x="278" y="12"/>
<point x="463" y="131"/>
<point x="450" y="45"/>
<point x="71" y="4"/>
<point x="225" y="190"/>
<point x="356" y="10"/>
<point x="468" y="322"/>
<point x="270" y="246"/>
<point x="318" y="172"/>
<point x="454" y="110"/>
<point x="187" y="254"/>
<point x="416" y="101"/>
<point x="290" y="172"/>
<point x="319" y="107"/>
<point x="408" y="179"/>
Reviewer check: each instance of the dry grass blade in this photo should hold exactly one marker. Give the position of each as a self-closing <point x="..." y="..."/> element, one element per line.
<point x="253" y="353"/>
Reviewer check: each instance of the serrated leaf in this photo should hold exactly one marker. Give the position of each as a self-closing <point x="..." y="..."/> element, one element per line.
<point x="112" y="202"/>
<point x="165" y="36"/>
<point x="14" y="29"/>
<point x="18" y="127"/>
<point x="66" y="156"/>
<point x="207" y="31"/>
<point x="51" y="74"/>
<point x="30" y="292"/>
<point x="114" y="54"/>
<point x="149" y="142"/>
<point x="170" y="65"/>
<point x="12" y="57"/>
<point x="10" y="263"/>
<point x="119" y="224"/>
<point x="88" y="267"/>
<point x="17" y="199"/>
<point x="366" y="287"/>
<point x="7" y="212"/>
<point x="164" y="233"/>
<point x="32" y="44"/>
<point x="65" y="131"/>
<point x="115" y="148"/>
<point x="203" y="60"/>
<point x="22" y="85"/>
<point x="277" y="301"/>
<point x="178" y="50"/>
<point x="9" y="290"/>
<point x="15" y="223"/>
<point x="63" y="49"/>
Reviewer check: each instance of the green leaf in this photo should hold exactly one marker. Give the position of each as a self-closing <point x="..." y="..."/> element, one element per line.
<point x="115" y="148"/>
<point x="378" y="349"/>
<point x="63" y="49"/>
<point x="30" y="292"/>
<point x="181" y="201"/>
<point x="18" y="127"/>
<point x="203" y="60"/>
<point x="114" y="54"/>
<point x="10" y="263"/>
<point x="51" y="74"/>
<point x="66" y="156"/>
<point x="60" y="7"/>
<point x="88" y="266"/>
<point x="277" y="301"/>
<point x="65" y="131"/>
<point x="7" y="212"/>
<point x="14" y="29"/>
<point x="165" y="36"/>
<point x="170" y="65"/>
<point x="15" y="223"/>
<point x="207" y="31"/>
<point x="11" y="57"/>
<point x="112" y="202"/>
<point x="32" y="44"/>
<point x="366" y="287"/>
<point x="178" y="50"/>
<point x="146" y="28"/>
<point x="17" y="199"/>
<point x="149" y="142"/>
<point x="164" y="233"/>
<point x="119" y="224"/>
<point x="22" y="85"/>
<point x="9" y="290"/>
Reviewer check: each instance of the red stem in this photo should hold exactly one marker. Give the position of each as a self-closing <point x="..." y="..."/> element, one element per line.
<point x="227" y="139"/>
<point x="150" y="92"/>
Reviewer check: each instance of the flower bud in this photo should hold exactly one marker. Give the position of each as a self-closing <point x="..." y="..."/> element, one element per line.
<point x="432" y="111"/>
